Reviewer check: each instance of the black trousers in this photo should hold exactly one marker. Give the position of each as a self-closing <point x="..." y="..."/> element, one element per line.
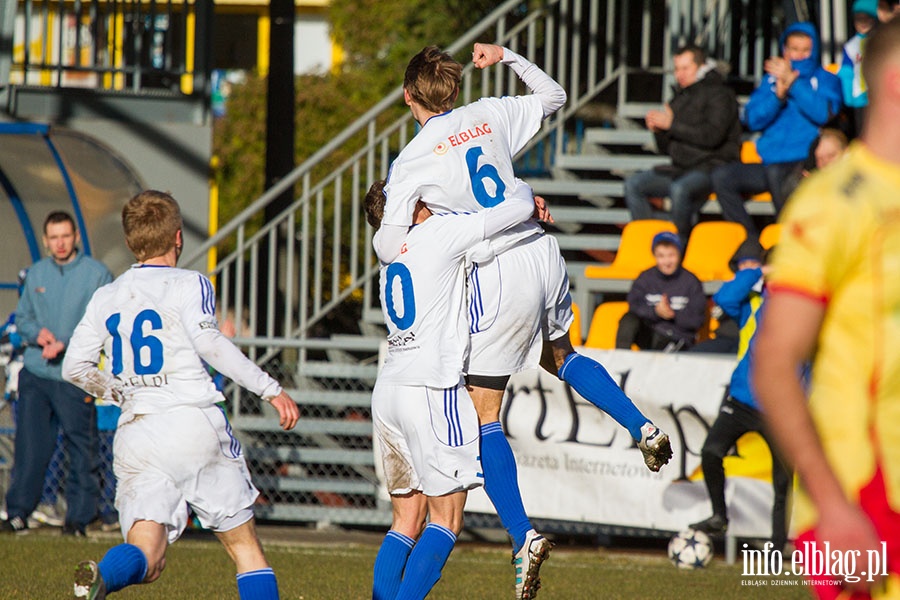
<point x="734" y="420"/>
<point x="634" y="330"/>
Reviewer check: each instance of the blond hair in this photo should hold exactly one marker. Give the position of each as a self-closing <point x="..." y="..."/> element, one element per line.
<point x="432" y="79"/>
<point x="151" y="221"/>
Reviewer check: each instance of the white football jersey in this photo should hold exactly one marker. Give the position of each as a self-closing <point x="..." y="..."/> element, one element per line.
<point x="156" y="325"/>
<point x="461" y="161"/>
<point x="423" y="295"/>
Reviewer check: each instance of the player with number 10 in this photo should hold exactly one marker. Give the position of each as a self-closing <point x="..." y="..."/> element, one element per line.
<point x="519" y="302"/>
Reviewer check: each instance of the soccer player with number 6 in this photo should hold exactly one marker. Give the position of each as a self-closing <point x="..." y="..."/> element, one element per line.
<point x="174" y="448"/>
<point x="519" y="301"/>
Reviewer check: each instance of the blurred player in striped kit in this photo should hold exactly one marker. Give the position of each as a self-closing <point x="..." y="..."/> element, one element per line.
<point x="174" y="448"/>
<point x="520" y="308"/>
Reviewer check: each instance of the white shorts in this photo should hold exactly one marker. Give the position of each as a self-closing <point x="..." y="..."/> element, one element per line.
<point x="427" y="438"/>
<point x="165" y="462"/>
<point x="517" y="301"/>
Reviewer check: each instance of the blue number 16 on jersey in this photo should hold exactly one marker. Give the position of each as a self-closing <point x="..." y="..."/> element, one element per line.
<point x="145" y="363"/>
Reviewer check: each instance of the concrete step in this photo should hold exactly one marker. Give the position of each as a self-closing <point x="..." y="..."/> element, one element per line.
<point x="587" y="241"/>
<point x="317" y="368"/>
<point x="753" y="208"/>
<point x="292" y="454"/>
<point x="610" y="162"/>
<point x="304" y="426"/>
<point x="575" y="187"/>
<point x="589" y="214"/>
<point x="310" y="397"/>
<point x="637" y="110"/>
<point x="296" y="484"/>
<point x="621" y="137"/>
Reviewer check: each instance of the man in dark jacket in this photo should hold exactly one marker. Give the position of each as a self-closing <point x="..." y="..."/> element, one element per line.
<point x="666" y="304"/>
<point x="796" y="97"/>
<point x="699" y="128"/>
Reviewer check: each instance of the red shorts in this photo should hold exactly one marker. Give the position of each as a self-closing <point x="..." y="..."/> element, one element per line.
<point x="873" y="501"/>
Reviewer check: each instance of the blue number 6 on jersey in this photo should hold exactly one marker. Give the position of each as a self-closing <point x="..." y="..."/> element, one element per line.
<point x="139" y="341"/>
<point x="477" y="175"/>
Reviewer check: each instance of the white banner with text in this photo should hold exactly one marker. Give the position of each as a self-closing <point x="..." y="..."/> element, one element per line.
<point x="575" y="463"/>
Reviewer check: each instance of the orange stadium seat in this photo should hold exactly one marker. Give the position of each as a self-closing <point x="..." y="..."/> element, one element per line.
<point x="634" y="255"/>
<point x="749" y="153"/>
<point x="605" y="324"/>
<point x="575" y="329"/>
<point x="710" y="247"/>
<point x="770" y="235"/>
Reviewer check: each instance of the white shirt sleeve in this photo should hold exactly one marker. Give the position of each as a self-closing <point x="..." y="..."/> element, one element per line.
<point x="516" y="209"/>
<point x="551" y="94"/>
<point x="223" y="356"/>
<point x="388" y="241"/>
<point x="198" y="315"/>
<point x="81" y="363"/>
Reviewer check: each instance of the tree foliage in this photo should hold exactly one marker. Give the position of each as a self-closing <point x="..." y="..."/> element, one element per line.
<point x="396" y="30"/>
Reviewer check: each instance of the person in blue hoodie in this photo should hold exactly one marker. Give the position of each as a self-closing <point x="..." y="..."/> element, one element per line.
<point x="856" y="95"/>
<point x="796" y="97"/>
<point x="742" y="300"/>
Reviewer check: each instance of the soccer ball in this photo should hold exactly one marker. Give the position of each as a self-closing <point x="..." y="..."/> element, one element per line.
<point x="690" y="549"/>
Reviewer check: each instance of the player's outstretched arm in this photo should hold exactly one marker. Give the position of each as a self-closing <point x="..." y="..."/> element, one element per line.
<point x="288" y="412"/>
<point x="551" y="94"/>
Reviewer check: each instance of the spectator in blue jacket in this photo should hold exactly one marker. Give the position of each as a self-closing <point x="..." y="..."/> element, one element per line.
<point x="728" y="334"/>
<point x="856" y="96"/>
<point x="796" y="97"/>
<point x="742" y="300"/>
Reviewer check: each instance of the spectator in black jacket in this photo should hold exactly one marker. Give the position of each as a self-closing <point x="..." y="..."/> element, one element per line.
<point x="666" y="304"/>
<point x="699" y="129"/>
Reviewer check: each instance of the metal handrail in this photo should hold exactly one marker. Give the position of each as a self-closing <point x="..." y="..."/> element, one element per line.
<point x="363" y="122"/>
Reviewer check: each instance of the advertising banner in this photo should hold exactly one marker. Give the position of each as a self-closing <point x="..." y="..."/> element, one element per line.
<point x="575" y="463"/>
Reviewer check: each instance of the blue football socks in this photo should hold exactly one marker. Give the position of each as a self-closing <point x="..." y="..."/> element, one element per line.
<point x="501" y="482"/>
<point x="257" y="585"/>
<point x="594" y="384"/>
<point x="122" y="565"/>
<point x="423" y="569"/>
<point x="389" y="564"/>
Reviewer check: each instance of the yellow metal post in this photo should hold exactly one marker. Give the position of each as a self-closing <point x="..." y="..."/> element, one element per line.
<point x="187" y="80"/>
<point x="262" y="44"/>
<point x="211" y="255"/>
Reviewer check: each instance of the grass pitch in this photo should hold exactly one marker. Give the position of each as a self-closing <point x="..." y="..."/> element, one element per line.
<point x="39" y="566"/>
